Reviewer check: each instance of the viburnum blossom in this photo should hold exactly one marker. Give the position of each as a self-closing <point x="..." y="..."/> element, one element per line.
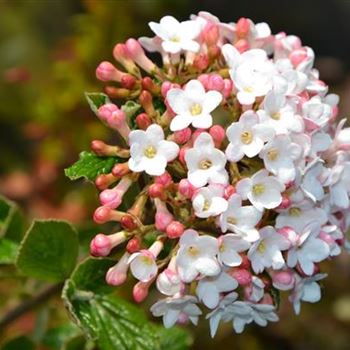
<point x="230" y="180"/>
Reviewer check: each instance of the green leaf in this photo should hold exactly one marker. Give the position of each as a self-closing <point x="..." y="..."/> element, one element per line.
<point x="48" y="251"/>
<point x="76" y="343"/>
<point x="96" y="100"/>
<point x="11" y="220"/>
<point x="8" y="251"/>
<point x="174" y="339"/>
<point x="110" y="321"/>
<point x="89" y="166"/>
<point x="19" y="343"/>
<point x="131" y="109"/>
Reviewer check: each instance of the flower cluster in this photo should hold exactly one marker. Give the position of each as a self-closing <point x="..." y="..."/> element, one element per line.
<point x="241" y="172"/>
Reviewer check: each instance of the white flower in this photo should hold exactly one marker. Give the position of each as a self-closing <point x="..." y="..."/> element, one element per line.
<point x="253" y="78"/>
<point x="313" y="180"/>
<point x="173" y="309"/>
<point x="307" y="249"/>
<point x="262" y="190"/>
<point x="193" y="106"/>
<point x="266" y="252"/>
<point x="240" y="219"/>
<point x="280" y="114"/>
<point x="279" y="157"/>
<point x="229" y="247"/>
<point x="341" y="188"/>
<point x="197" y="256"/>
<point x="177" y="35"/>
<point x="297" y="217"/>
<point x="316" y="113"/>
<point x="306" y="289"/>
<point x="222" y="312"/>
<point x="209" y="201"/>
<point x="149" y="151"/>
<point x="247" y="137"/>
<point x="169" y="283"/>
<point x="205" y="162"/>
<point x="143" y="265"/>
<point x="256" y="289"/>
<point x="209" y="288"/>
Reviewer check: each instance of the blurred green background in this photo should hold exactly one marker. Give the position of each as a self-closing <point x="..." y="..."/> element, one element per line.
<point x="49" y="50"/>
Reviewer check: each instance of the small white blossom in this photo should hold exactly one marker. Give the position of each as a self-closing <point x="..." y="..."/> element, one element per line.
<point x="149" y="151"/>
<point x="193" y="106"/>
<point x="205" y="162"/>
<point x="172" y="309"/>
<point x="169" y="283"/>
<point x="209" y="201"/>
<point x="316" y="113"/>
<point x="307" y="249"/>
<point x="280" y="114"/>
<point x="306" y="289"/>
<point x="279" y="157"/>
<point x="266" y="252"/>
<point x="209" y="288"/>
<point x="247" y="137"/>
<point x="143" y="265"/>
<point x="229" y="247"/>
<point x="197" y="256"/>
<point x="240" y="219"/>
<point x="262" y="190"/>
<point x="177" y="35"/>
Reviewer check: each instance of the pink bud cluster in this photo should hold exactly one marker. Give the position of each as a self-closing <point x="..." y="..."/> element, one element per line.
<point x="241" y="166"/>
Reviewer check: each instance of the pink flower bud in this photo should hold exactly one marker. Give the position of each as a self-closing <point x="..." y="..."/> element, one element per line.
<point x="283" y="280"/>
<point x="102" y="215"/>
<point x="327" y="238"/>
<point x="146" y="101"/>
<point x="106" y="111"/>
<point x="133" y="245"/>
<point x="243" y="276"/>
<point x="186" y="188"/>
<point x="107" y="72"/>
<point x="242" y="27"/>
<point x="217" y="132"/>
<point x="204" y="79"/>
<point x="286" y="203"/>
<point x="113" y="197"/>
<point x="143" y="121"/>
<point x="228" y="87"/>
<point x="298" y="56"/>
<point x="215" y="82"/>
<point x="117" y="274"/>
<point x="102" y="149"/>
<point x="121" y="54"/>
<point x="163" y="217"/>
<point x="149" y="85"/>
<point x="166" y="86"/>
<point x="245" y="264"/>
<point x="128" y="223"/>
<point x="127" y="81"/>
<point x="137" y="53"/>
<point x="121" y="169"/>
<point x="140" y="290"/>
<point x="210" y="33"/>
<point x="103" y="181"/>
<point x="201" y="61"/>
<point x="157" y="190"/>
<point x="242" y="45"/>
<point x="267" y="299"/>
<point x="175" y="229"/>
<point x="182" y="136"/>
<point x="229" y="191"/>
<point x="164" y="179"/>
<point x="102" y="245"/>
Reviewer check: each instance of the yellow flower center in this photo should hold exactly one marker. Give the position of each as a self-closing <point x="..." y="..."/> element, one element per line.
<point x="258" y="189"/>
<point x="146" y="260"/>
<point x="206" y="205"/>
<point x="262" y="247"/>
<point x="192" y="251"/>
<point x="175" y="39"/>
<point x="276" y="116"/>
<point x="294" y="211"/>
<point x="246" y="137"/>
<point x="196" y="109"/>
<point x="205" y="164"/>
<point x="150" y="152"/>
<point x="231" y="220"/>
<point x="248" y="89"/>
<point x="222" y="248"/>
<point x="272" y="154"/>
